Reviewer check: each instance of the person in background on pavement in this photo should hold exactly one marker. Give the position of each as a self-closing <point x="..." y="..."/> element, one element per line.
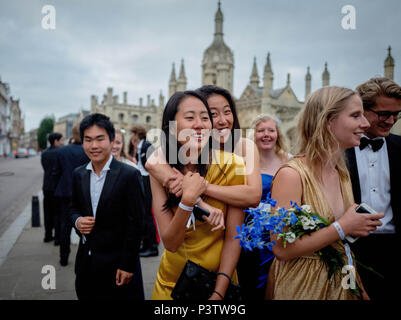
<point x="107" y="209"/>
<point x="68" y="158"/>
<point x="144" y="148"/>
<point x="48" y="160"/>
<point x="375" y="170"/>
<point x="119" y="154"/>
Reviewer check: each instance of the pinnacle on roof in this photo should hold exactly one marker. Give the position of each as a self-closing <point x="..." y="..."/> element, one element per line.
<point x="172" y="76"/>
<point x="308" y="75"/>
<point x="268" y="67"/>
<point x="182" y="71"/>
<point x="389" y="60"/>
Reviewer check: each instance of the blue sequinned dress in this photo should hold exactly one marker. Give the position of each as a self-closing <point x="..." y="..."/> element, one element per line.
<point x="253" y="266"/>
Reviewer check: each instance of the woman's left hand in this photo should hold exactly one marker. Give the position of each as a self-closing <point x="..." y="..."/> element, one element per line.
<point x="216" y="217"/>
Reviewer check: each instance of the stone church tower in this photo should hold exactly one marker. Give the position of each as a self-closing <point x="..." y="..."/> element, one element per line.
<point x="218" y="59"/>
<point x="389" y="65"/>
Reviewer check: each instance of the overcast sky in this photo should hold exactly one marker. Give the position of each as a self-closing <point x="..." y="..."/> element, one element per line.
<point x="130" y="45"/>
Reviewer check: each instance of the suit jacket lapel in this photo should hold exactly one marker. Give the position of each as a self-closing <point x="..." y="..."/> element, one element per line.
<point x="109" y="183"/>
<point x="353" y="172"/>
<point x="86" y="182"/>
<point x="393" y="162"/>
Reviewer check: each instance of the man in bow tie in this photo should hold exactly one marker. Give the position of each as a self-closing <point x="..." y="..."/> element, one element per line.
<point x="375" y="170"/>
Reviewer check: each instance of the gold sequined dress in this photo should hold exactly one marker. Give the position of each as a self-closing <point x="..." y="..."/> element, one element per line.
<point x="306" y="277"/>
<point x="201" y="245"/>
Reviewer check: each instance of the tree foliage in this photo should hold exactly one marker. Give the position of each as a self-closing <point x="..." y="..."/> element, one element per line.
<point x="45" y="127"/>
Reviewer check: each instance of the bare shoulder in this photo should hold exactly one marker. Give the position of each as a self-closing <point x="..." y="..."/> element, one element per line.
<point x="287" y="187"/>
<point x="287" y="174"/>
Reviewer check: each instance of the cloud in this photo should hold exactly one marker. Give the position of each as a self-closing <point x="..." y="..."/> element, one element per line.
<point x="130" y="46"/>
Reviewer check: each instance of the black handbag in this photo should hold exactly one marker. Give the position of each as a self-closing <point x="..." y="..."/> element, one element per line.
<point x="198" y="283"/>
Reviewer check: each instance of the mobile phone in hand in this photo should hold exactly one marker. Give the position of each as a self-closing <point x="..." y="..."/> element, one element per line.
<point x="199" y="212"/>
<point x="362" y="208"/>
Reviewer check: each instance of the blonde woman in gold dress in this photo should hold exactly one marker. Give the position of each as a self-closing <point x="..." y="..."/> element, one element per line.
<point x="331" y="122"/>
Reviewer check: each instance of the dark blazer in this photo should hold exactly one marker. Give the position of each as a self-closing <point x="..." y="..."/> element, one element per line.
<point x="48" y="160"/>
<point x="115" y="238"/>
<point x="394" y="155"/>
<point x="68" y="158"/>
<point x="144" y="150"/>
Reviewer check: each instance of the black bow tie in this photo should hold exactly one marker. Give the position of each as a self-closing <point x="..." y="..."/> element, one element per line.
<point x="376" y="144"/>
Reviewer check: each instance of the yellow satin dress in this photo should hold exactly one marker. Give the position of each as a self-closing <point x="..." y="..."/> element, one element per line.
<point x="306" y="277"/>
<point x="201" y="245"/>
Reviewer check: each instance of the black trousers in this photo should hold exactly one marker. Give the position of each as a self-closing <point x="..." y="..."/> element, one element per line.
<point x="149" y="229"/>
<point x="65" y="227"/>
<point x="99" y="283"/>
<point x="51" y="215"/>
<point x="380" y="252"/>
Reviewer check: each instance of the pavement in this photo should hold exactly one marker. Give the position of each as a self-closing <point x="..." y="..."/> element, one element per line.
<point x="27" y="264"/>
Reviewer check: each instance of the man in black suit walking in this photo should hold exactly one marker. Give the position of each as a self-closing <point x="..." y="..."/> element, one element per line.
<point x="144" y="149"/>
<point x="107" y="210"/>
<point x="68" y="158"/>
<point x="48" y="160"/>
<point x="375" y="170"/>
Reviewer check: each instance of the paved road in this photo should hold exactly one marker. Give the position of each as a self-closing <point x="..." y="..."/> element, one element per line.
<point x="20" y="179"/>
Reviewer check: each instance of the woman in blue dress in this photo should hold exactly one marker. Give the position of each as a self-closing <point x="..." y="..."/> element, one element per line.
<point x="253" y="266"/>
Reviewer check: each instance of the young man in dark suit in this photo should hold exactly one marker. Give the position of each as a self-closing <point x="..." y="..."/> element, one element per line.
<point x="144" y="149"/>
<point x="48" y="160"/>
<point x="69" y="157"/>
<point x="375" y="170"/>
<point x="107" y="210"/>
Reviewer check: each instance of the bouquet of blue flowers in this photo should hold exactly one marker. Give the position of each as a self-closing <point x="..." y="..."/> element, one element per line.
<point x="289" y="225"/>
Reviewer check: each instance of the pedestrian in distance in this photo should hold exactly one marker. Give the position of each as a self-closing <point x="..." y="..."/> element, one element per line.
<point x="48" y="160"/>
<point x="69" y="157"/>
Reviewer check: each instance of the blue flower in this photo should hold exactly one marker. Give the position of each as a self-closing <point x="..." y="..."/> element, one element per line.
<point x="293" y="218"/>
<point x="271" y="201"/>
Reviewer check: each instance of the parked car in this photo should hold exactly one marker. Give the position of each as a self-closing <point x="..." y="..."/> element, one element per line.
<point x="32" y="152"/>
<point x="21" y="153"/>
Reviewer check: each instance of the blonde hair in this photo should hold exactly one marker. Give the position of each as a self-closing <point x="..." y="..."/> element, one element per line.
<point x="317" y="143"/>
<point x="280" y="148"/>
<point x="378" y="87"/>
<point x="122" y="153"/>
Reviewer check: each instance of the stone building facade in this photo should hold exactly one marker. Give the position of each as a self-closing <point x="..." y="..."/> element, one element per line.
<point x="17" y="127"/>
<point x="124" y="115"/>
<point x="4" y="122"/>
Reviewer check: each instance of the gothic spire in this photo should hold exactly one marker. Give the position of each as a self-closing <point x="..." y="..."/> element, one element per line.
<point x="325" y="76"/>
<point x="254" y="79"/>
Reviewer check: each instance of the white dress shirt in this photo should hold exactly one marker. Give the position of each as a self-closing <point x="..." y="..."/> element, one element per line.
<point x="374" y="180"/>
<point x="96" y="187"/>
<point x="140" y="165"/>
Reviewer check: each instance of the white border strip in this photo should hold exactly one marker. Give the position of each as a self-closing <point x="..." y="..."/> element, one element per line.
<point x="11" y="235"/>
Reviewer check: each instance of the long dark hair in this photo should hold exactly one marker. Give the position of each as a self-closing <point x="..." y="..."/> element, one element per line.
<point x="170" y="144"/>
<point x="209" y="90"/>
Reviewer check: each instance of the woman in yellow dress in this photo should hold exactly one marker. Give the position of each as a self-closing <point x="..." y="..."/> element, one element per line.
<point x="183" y="237"/>
<point x="331" y="122"/>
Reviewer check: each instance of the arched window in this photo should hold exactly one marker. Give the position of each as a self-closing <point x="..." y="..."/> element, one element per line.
<point x="148" y="119"/>
<point x="121" y="117"/>
<point x="134" y="118"/>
